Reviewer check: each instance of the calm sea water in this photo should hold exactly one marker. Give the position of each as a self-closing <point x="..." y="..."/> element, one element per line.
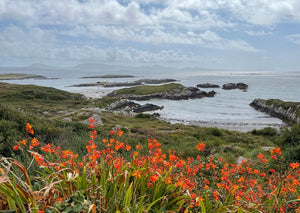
<point x="228" y="109"/>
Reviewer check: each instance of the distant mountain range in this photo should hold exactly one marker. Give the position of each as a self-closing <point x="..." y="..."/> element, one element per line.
<point x="96" y="66"/>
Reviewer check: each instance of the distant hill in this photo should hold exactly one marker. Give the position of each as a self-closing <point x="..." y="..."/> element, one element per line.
<point x="102" y="67"/>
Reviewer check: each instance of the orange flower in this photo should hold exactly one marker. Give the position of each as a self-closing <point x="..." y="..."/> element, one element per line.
<point x="23" y="141"/>
<point x="241" y="179"/>
<point x="276" y="150"/>
<point x="274" y="157"/>
<point x="91" y="126"/>
<point x="272" y="171"/>
<point x="168" y="180"/>
<point x="117" y="164"/>
<point x="29" y="128"/>
<point x="16" y="147"/>
<point x="120" y="133"/>
<point x="172" y="157"/>
<point x="200" y="146"/>
<point x="92" y="120"/>
<point x="34" y="142"/>
<point x="262" y="174"/>
<point x="260" y="156"/>
<point x="127" y="147"/>
<point x="153" y="178"/>
<point x="150" y="145"/>
<point x="138" y="147"/>
<point x="137" y="174"/>
<point x="294" y="165"/>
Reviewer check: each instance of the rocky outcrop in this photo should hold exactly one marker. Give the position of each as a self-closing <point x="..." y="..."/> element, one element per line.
<point x="155" y="81"/>
<point x="208" y="85"/>
<point x="127" y="105"/>
<point x="182" y="93"/>
<point x="147" y="107"/>
<point x="124" y="84"/>
<point x="277" y="108"/>
<point x="229" y="86"/>
<point x="22" y="76"/>
<point x="109" y="76"/>
<point x="118" y="84"/>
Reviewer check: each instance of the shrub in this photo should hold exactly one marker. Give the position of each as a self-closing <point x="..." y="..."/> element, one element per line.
<point x="268" y="131"/>
<point x="290" y="141"/>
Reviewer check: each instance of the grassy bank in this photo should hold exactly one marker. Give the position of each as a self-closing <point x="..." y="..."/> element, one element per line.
<point x="295" y="106"/>
<point x="147" y="90"/>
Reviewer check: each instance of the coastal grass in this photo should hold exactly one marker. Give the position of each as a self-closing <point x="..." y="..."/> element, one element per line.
<point x="295" y="106"/>
<point x="147" y="90"/>
<point x="13" y="76"/>
<point x="19" y="76"/>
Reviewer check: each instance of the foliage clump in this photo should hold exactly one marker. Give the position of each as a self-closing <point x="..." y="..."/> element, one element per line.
<point x="120" y="178"/>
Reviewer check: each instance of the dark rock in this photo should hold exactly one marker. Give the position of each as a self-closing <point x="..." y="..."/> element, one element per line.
<point x="122" y="104"/>
<point x="127" y="105"/>
<point x="230" y="86"/>
<point x="118" y="84"/>
<point x="147" y="107"/>
<point x="155" y="81"/>
<point x="183" y="93"/>
<point x="96" y="117"/>
<point x="155" y="115"/>
<point x="208" y="85"/>
<point x="288" y="115"/>
<point x="116" y="128"/>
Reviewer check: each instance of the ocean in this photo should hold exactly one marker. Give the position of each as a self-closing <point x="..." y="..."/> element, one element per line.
<point x="229" y="109"/>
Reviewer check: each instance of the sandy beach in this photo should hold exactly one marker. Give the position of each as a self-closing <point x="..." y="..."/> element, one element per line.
<point x="238" y="125"/>
<point x="95" y="92"/>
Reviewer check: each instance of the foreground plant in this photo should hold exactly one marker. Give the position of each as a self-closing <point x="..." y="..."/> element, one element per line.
<point x="104" y="180"/>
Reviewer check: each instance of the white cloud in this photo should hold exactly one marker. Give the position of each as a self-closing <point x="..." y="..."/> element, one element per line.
<point x="294" y="38"/>
<point x="265" y="12"/>
<point x="258" y="33"/>
<point x="105" y="29"/>
<point x="38" y="44"/>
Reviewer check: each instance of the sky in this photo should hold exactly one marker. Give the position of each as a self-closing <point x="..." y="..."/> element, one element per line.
<point x="216" y="34"/>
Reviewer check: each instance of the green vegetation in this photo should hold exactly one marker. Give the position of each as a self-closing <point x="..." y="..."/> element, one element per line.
<point x="51" y="111"/>
<point x="147" y="90"/>
<point x="268" y="131"/>
<point x="88" y="168"/>
<point x="289" y="140"/>
<point x="295" y="106"/>
<point x="110" y="76"/>
<point x="17" y="76"/>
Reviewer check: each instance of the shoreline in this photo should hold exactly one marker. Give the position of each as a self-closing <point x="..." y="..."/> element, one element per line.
<point x="238" y="125"/>
<point x="231" y="125"/>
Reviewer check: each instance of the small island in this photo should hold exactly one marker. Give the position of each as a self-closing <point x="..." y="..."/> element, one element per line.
<point x="109" y="76"/>
<point x="21" y="76"/>
<point x="172" y="91"/>
<point x="208" y="85"/>
<point x="230" y="86"/>
<point x="125" y="84"/>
